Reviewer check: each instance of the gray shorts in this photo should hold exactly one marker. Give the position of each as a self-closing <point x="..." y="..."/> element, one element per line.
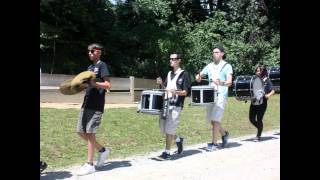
<point x="89" y="121"/>
<point x="170" y="125"/>
<point x="215" y="111"/>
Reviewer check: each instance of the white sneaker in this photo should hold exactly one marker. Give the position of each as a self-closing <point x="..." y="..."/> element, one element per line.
<point x="102" y="157"/>
<point x="86" y="169"/>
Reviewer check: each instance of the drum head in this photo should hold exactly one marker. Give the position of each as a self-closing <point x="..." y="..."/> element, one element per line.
<point x="243" y="87"/>
<point x="257" y="85"/>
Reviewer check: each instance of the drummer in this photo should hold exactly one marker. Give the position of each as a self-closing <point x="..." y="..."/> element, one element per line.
<point x="220" y="77"/>
<point x="258" y="108"/>
<point x="176" y="85"/>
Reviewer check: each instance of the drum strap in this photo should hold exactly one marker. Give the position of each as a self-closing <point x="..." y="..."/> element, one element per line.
<point x="223" y="66"/>
<point x="220" y="72"/>
<point x="172" y="84"/>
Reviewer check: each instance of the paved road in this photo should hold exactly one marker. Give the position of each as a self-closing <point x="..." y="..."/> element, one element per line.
<point x="243" y="159"/>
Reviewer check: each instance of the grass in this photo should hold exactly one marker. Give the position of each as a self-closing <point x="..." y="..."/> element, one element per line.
<point x="127" y="132"/>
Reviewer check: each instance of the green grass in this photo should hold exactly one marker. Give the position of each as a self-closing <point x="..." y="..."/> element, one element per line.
<point x="127" y="132"/>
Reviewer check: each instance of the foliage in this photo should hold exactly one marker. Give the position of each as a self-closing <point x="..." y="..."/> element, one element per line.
<point x="139" y="35"/>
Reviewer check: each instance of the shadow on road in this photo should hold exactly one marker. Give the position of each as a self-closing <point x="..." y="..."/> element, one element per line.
<point x="265" y="138"/>
<point x="176" y="156"/>
<point x="113" y="165"/>
<point x="229" y="145"/>
<point x="185" y="153"/>
<point x="55" y="175"/>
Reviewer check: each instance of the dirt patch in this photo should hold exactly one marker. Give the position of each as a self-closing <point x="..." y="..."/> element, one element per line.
<point x="78" y="105"/>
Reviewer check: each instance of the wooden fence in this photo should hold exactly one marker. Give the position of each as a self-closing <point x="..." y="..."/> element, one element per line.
<point x="124" y="90"/>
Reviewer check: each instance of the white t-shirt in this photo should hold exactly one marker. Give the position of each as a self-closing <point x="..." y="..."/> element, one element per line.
<point x="218" y="71"/>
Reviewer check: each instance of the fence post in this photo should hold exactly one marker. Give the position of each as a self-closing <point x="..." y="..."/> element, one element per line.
<point x="132" y="88"/>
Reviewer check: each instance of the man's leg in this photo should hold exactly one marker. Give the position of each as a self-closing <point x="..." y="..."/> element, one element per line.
<point x="222" y="131"/>
<point x="88" y="167"/>
<point x="91" y="146"/>
<point x="213" y="145"/>
<point x="82" y="126"/>
<point x="84" y="136"/>
<point x="169" y="127"/>
<point x="169" y="138"/>
<point x="215" y="131"/>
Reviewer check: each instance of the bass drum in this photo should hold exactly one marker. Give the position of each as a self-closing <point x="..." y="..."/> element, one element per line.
<point x="248" y="88"/>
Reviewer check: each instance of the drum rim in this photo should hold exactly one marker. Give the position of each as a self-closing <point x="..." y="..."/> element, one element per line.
<point x="202" y="87"/>
<point x="152" y="92"/>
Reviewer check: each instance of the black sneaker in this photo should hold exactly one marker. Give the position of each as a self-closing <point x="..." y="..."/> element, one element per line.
<point x="43" y="166"/>
<point x="165" y="156"/>
<point x="225" y="139"/>
<point x="180" y="145"/>
<point x="257" y="139"/>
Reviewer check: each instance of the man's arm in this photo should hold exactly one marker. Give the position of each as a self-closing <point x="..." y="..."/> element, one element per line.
<point x="228" y="82"/>
<point x="106" y="84"/>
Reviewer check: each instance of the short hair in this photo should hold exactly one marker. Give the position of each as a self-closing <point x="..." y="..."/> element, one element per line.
<point x="221" y="49"/>
<point x="95" y="46"/>
<point x="179" y="56"/>
<point x="218" y="47"/>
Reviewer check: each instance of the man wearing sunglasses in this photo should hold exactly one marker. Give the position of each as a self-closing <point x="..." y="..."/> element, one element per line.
<point x="176" y="85"/>
<point x="93" y="108"/>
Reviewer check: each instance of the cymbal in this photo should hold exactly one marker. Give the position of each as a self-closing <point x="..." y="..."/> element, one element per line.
<point x="66" y="88"/>
<point x="82" y="78"/>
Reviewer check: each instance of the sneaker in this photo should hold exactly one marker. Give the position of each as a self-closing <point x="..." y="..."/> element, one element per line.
<point x="86" y="169"/>
<point x="165" y="156"/>
<point x="180" y="145"/>
<point x="257" y="139"/>
<point x="212" y="147"/>
<point x="43" y="166"/>
<point x="102" y="157"/>
<point x="225" y="139"/>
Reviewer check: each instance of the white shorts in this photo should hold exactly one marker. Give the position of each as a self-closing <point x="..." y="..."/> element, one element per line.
<point x="170" y="125"/>
<point x="215" y="111"/>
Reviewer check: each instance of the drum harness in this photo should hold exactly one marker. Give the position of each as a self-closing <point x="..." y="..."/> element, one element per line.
<point x="169" y="98"/>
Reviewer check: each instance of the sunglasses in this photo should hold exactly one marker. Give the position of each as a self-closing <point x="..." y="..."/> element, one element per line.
<point x="173" y="59"/>
<point x="93" y="50"/>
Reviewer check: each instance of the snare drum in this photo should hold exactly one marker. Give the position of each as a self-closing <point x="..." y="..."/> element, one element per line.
<point x="151" y="102"/>
<point x="248" y="87"/>
<point x="202" y="95"/>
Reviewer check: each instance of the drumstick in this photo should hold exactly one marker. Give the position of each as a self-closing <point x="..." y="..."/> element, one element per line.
<point x="202" y="77"/>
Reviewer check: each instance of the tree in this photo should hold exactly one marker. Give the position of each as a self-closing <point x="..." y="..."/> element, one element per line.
<point x="139" y="35"/>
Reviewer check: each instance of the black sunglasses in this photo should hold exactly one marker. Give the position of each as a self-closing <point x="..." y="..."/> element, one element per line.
<point x="92" y="50"/>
